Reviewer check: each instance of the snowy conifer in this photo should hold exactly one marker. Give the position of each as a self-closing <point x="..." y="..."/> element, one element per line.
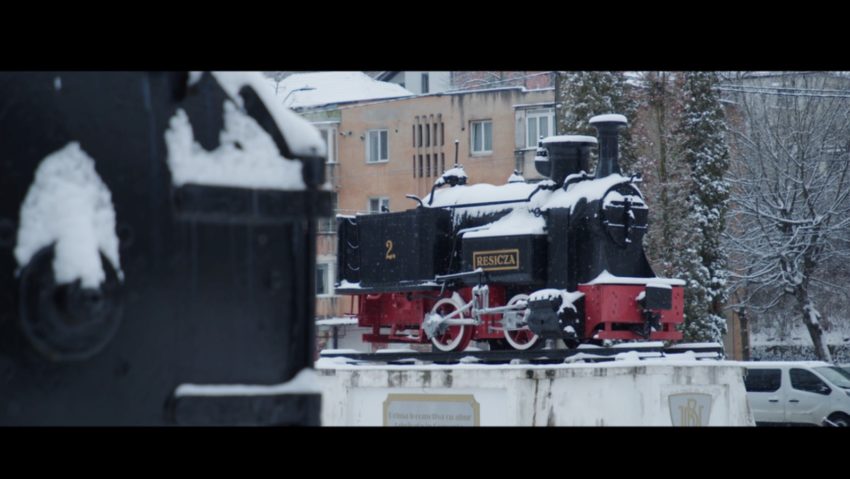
<point x="665" y="173"/>
<point x="703" y="263"/>
<point x="584" y="95"/>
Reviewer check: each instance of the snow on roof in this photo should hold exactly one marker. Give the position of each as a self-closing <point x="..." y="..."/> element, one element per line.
<point x="608" y="117"/>
<point x="323" y="88"/>
<point x="302" y="138"/>
<point x="570" y="138"/>
<point x="247" y="156"/>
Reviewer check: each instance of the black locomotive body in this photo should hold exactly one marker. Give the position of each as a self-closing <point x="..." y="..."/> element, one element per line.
<point x="560" y="259"/>
<point x="195" y="283"/>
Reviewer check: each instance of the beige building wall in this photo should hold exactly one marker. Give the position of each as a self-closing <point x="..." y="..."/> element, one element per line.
<point x="451" y="116"/>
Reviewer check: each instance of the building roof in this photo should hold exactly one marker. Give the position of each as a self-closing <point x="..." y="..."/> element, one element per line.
<point x="326" y="88"/>
<point x="385" y="76"/>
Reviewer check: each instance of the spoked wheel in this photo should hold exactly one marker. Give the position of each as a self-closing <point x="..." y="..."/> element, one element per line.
<point x="522" y="339"/>
<point x="454" y="337"/>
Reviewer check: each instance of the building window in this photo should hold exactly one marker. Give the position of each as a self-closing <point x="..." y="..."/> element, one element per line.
<point x="379" y="204"/>
<point x="414" y="166"/>
<point x="329" y="136"/>
<point x="442" y="134"/>
<point x="419" y="143"/>
<point x="428" y="164"/>
<point x="427" y="134"/>
<point x="376" y="146"/>
<point x="424" y="83"/>
<point x="420" y="166"/>
<point x="538" y="124"/>
<point x="324" y="279"/>
<point x="482" y="136"/>
<point x="328" y="225"/>
<point x="442" y="163"/>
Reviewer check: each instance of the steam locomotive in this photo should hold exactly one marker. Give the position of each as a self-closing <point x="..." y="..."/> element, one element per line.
<point x="156" y="250"/>
<point x="517" y="264"/>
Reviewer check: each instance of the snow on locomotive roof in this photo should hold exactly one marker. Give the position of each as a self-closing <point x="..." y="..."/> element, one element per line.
<point x="570" y="138"/>
<point x="608" y="117"/>
<point x="517" y="222"/>
<point x="246" y="157"/>
<point x="520" y="221"/>
<point x="607" y="278"/>
<point x="480" y="193"/>
<point x="302" y="138"/>
<point x="588" y="190"/>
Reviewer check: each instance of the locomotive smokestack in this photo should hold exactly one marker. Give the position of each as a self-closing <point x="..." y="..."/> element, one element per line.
<point x="608" y="127"/>
<point x="561" y="156"/>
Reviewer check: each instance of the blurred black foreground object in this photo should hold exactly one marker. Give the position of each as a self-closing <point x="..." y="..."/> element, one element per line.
<point x="203" y="285"/>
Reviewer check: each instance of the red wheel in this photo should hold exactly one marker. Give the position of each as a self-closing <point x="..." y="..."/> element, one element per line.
<point x="454" y="337"/>
<point x="522" y="339"/>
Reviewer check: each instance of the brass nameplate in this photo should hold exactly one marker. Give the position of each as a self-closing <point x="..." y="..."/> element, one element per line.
<point x="496" y="260"/>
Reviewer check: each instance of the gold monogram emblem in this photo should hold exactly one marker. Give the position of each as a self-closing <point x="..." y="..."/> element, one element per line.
<point x="690" y="409"/>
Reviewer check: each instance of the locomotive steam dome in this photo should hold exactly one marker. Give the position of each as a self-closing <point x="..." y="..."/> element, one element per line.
<point x="561" y="156"/>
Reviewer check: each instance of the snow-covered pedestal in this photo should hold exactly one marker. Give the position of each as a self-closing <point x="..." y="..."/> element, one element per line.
<point x="647" y="392"/>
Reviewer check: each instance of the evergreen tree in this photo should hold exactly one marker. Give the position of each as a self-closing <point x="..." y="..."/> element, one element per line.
<point x="703" y="263"/>
<point x="583" y="95"/>
<point x="666" y="175"/>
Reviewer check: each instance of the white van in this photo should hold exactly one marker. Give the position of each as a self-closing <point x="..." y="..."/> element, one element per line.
<point x="798" y="392"/>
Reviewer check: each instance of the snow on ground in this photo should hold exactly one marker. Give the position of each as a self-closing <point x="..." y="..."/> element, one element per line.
<point x="68" y="204"/>
<point x="798" y="336"/>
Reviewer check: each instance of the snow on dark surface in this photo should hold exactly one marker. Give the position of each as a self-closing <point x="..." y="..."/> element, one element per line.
<point x="70" y="205"/>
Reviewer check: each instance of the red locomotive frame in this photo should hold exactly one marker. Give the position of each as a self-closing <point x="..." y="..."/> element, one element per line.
<point x="610" y="312"/>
